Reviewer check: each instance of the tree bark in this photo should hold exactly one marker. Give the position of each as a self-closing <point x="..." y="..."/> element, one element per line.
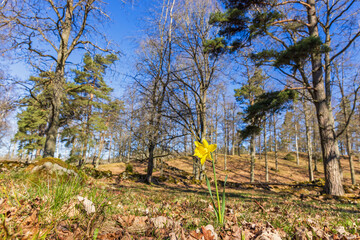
<point x="275" y="144"/>
<point x="101" y="147"/>
<point x="329" y="145"/>
<point x="58" y="84"/>
<point x="265" y="155"/>
<point x="308" y="141"/>
<point x="252" y="158"/>
<point x="296" y="144"/>
<point x="53" y="125"/>
<point x="150" y="167"/>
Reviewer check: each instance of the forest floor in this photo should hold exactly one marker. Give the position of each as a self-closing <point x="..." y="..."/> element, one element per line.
<point x="175" y="207"/>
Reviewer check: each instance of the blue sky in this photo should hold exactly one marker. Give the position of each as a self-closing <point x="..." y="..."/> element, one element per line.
<point x="124" y="30"/>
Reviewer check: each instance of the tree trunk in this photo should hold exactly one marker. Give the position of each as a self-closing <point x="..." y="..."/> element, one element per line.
<point x="329" y="145"/>
<point x="314" y="137"/>
<point x="38" y="153"/>
<point x="150" y="167"/>
<point x="344" y="100"/>
<point x="58" y="84"/>
<point x="275" y="144"/>
<point x="101" y="147"/>
<point x="349" y="152"/>
<point x="308" y="141"/>
<point x="260" y="147"/>
<point x="296" y="143"/>
<point x="225" y="134"/>
<point x="265" y="155"/>
<point x="53" y="122"/>
<point x="185" y="144"/>
<point x="233" y="132"/>
<point x="252" y="158"/>
<point x="110" y="145"/>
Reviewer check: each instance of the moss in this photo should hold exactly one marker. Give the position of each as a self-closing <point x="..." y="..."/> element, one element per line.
<point x="129" y="168"/>
<point x="289" y="157"/>
<point x="97" y="173"/>
<point x="59" y="162"/>
<point x="172" y="180"/>
<point x="162" y="178"/>
<point x="11" y="165"/>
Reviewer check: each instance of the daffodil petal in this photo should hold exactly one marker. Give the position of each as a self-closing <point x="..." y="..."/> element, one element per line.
<point x="203" y="160"/>
<point x="205" y="143"/>
<point x="202" y="150"/>
<point x="198" y="154"/>
<point x="212" y="147"/>
<point x="197" y="144"/>
<point x="208" y="156"/>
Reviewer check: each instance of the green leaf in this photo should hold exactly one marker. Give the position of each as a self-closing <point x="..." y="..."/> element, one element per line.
<point x="212" y="198"/>
<point x="96" y="232"/>
<point x="223" y="200"/>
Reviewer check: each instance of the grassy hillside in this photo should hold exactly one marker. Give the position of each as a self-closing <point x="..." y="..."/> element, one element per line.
<point x="174" y="207"/>
<point x="238" y="168"/>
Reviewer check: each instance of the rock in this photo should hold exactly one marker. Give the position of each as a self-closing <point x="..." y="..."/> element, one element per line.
<point x="53" y="166"/>
<point x="269" y="234"/>
<point x="210" y="228"/>
<point x="173" y="236"/>
<point x="88" y="205"/>
<point x="341" y="230"/>
<point x="161" y="222"/>
<point x="7" y="165"/>
<point x="133" y="224"/>
<point x="303" y="234"/>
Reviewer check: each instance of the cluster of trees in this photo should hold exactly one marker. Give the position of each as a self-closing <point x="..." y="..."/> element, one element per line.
<point x="294" y="63"/>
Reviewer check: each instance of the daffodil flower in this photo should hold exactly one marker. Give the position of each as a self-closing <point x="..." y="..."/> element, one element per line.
<point x="203" y="150"/>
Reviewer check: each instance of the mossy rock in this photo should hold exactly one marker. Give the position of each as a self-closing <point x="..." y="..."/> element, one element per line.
<point x="289" y="157"/>
<point x="129" y="168"/>
<point x="11" y="165"/>
<point x="162" y="178"/>
<point x="54" y="167"/>
<point x="97" y="173"/>
<point x="274" y="169"/>
<point x="133" y="176"/>
<point x="172" y="180"/>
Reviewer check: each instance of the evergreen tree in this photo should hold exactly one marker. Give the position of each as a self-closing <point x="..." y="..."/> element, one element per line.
<point x="295" y="29"/>
<point x="246" y="95"/>
<point x="33" y="118"/>
<point x="89" y="98"/>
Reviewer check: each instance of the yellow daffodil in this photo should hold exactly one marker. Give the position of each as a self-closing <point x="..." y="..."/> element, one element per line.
<point x="203" y="150"/>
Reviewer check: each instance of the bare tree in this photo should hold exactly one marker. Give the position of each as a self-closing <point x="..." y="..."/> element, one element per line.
<point x="196" y="71"/>
<point x="7" y="105"/>
<point x="154" y="77"/>
<point x="49" y="31"/>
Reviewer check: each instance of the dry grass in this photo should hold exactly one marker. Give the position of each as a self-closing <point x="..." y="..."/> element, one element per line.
<point x="238" y="168"/>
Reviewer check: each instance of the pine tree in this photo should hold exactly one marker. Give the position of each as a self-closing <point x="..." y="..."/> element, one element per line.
<point x="32" y="120"/>
<point x="246" y="95"/>
<point x="295" y="28"/>
<point x="89" y="98"/>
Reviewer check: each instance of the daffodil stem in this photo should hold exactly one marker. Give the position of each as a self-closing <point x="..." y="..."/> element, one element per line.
<point x="217" y="194"/>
